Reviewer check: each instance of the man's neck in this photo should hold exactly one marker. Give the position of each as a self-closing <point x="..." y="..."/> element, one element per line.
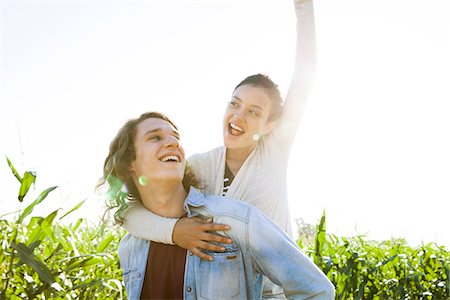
<point x="165" y="200"/>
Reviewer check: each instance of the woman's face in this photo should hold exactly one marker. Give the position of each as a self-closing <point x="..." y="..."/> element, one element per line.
<point x="246" y="118"/>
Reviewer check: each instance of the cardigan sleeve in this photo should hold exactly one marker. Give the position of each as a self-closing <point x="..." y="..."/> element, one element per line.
<point x="304" y="72"/>
<point x="146" y="225"/>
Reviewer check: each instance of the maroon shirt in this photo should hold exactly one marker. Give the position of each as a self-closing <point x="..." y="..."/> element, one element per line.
<point x="164" y="274"/>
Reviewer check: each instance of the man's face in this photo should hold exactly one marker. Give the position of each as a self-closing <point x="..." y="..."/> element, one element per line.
<point x="246" y="117"/>
<point x="159" y="156"/>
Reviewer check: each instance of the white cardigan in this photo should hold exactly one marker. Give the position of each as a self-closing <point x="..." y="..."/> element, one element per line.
<point x="261" y="181"/>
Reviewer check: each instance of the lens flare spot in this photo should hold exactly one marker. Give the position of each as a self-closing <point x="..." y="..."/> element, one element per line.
<point x="143" y="180"/>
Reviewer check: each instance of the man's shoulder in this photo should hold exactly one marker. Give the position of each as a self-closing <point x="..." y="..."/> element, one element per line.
<point x="130" y="240"/>
<point x="228" y="200"/>
<point x="133" y="245"/>
<point x="226" y="206"/>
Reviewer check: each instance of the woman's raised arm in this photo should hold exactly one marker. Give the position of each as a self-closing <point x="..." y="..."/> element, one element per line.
<point x="304" y="71"/>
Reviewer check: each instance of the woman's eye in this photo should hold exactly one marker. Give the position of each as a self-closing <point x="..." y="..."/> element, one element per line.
<point x="254" y="113"/>
<point x="233" y="104"/>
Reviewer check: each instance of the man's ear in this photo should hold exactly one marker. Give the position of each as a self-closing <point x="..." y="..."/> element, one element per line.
<point x="131" y="167"/>
<point x="268" y="127"/>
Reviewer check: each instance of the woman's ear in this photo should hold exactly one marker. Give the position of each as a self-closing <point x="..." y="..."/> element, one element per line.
<point x="268" y="127"/>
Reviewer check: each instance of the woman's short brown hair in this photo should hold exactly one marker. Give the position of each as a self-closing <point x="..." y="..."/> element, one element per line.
<point x="264" y="82"/>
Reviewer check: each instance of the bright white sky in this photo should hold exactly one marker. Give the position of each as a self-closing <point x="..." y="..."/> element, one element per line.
<point x="373" y="147"/>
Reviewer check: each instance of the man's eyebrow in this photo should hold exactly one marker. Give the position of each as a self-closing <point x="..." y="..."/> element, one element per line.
<point x="152" y="131"/>
<point x="174" y="132"/>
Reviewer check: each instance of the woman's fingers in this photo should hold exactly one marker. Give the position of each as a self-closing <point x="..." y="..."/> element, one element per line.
<point x="202" y="255"/>
<point x="211" y="237"/>
<point x="194" y="234"/>
<point x="215" y="227"/>
<point x="209" y="247"/>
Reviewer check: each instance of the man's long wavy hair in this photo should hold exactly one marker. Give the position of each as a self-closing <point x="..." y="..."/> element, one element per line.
<point x="116" y="170"/>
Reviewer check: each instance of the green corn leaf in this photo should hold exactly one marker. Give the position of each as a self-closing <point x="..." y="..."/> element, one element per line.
<point x="34" y="221"/>
<point x="320" y="240"/>
<point x="14" y="171"/>
<point x="26" y="256"/>
<point x="74" y="208"/>
<point x="88" y="284"/>
<point x="76" y="263"/>
<point x="35" y="232"/>
<point x="74" y="246"/>
<point x="77" y="224"/>
<point x="39" y="199"/>
<point x="55" y="251"/>
<point x="64" y="241"/>
<point x="34" y="245"/>
<point x="47" y="227"/>
<point x="382" y="263"/>
<point x="50" y="218"/>
<point x="28" y="179"/>
<point x="117" y="283"/>
<point x="34" y="235"/>
<point x="92" y="262"/>
<point x="105" y="243"/>
<point x="79" y="260"/>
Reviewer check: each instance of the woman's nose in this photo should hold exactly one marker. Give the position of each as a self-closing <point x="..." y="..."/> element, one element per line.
<point x="239" y="115"/>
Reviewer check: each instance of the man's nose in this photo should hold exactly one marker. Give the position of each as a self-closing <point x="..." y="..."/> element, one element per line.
<point x="172" y="141"/>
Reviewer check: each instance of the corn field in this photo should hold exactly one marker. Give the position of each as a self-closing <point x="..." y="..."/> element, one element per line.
<point x="40" y="258"/>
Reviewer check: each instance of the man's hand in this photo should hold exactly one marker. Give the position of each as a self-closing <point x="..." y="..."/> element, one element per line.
<point x="192" y="234"/>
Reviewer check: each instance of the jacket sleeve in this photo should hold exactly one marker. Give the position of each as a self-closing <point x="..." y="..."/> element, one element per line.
<point x="277" y="257"/>
<point x="146" y="225"/>
<point x="304" y="72"/>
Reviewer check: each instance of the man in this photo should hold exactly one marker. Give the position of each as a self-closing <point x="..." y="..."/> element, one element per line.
<point x="147" y="158"/>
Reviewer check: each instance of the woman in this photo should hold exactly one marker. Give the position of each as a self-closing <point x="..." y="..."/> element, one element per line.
<point x="258" y="131"/>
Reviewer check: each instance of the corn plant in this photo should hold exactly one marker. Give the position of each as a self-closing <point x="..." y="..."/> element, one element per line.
<point x="42" y="259"/>
<point x="362" y="269"/>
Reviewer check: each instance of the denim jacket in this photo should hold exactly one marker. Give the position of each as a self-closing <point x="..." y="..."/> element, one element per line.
<point x="259" y="248"/>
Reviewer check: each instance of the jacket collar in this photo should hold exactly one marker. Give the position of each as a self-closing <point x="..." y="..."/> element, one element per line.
<point x="194" y="199"/>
